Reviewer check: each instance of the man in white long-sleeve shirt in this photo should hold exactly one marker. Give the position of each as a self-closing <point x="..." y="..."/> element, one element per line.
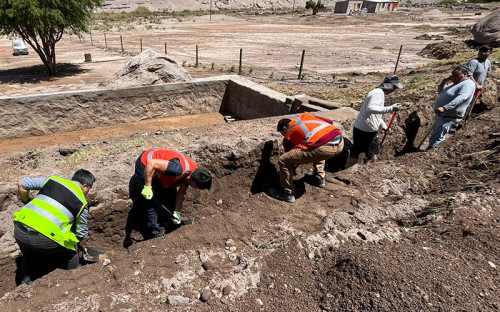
<point x="370" y="121"/>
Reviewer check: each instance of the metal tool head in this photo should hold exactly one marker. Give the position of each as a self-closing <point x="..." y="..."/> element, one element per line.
<point x="91" y="254"/>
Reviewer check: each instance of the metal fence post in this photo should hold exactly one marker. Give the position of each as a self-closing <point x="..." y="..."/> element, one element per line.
<point x="301" y="63"/>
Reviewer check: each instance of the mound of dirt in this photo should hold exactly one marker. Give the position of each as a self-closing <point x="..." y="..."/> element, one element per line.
<point x="434" y="13"/>
<point x="148" y="68"/>
<point x="429" y="37"/>
<point x="442" y="50"/>
<point x="487" y="29"/>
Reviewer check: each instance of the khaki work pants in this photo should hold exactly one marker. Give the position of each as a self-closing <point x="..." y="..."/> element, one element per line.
<point x="317" y="156"/>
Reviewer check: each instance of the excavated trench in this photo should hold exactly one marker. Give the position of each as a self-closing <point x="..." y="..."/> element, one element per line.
<point x="66" y="118"/>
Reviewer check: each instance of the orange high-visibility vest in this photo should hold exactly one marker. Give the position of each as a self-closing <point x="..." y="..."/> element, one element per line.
<point x="160" y="153"/>
<point x="305" y="130"/>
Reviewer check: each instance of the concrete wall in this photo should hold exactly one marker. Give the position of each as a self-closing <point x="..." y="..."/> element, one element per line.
<point x="66" y="111"/>
<point x="249" y="100"/>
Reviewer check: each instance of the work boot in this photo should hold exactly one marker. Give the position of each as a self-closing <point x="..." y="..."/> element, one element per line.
<point x="319" y="181"/>
<point x="127" y="242"/>
<point x="158" y="235"/>
<point x="280" y="195"/>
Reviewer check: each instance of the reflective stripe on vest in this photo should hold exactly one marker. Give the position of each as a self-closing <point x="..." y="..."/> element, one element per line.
<point x="44" y="213"/>
<point x="309" y="134"/>
<point x="306" y="130"/>
<point x="59" y="210"/>
<point x="53" y="211"/>
<point x="150" y="154"/>
<point x="186" y="163"/>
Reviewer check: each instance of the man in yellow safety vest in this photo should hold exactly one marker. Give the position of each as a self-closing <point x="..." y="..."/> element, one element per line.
<point x="49" y="227"/>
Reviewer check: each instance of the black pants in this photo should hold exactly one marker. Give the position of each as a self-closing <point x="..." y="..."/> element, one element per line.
<point x="41" y="255"/>
<point x="364" y="142"/>
<point x="147" y="215"/>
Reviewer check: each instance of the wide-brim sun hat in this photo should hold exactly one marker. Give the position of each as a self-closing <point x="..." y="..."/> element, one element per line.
<point x="391" y="82"/>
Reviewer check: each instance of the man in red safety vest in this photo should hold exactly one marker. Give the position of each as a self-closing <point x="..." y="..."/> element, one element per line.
<point x="166" y="175"/>
<point x="308" y="139"/>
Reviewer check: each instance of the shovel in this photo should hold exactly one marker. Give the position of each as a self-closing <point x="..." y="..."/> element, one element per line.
<point x="183" y="222"/>
<point x="92" y="255"/>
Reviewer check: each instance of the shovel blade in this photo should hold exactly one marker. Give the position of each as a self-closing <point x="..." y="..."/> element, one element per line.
<point x="94" y="255"/>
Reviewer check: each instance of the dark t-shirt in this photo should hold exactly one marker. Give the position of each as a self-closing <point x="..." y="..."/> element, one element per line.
<point x="174" y="167"/>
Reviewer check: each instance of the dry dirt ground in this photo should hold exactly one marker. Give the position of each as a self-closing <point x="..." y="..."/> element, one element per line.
<point x="418" y="232"/>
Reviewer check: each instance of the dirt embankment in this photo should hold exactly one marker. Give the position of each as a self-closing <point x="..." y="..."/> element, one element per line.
<point x="408" y="233"/>
<point x="390" y="235"/>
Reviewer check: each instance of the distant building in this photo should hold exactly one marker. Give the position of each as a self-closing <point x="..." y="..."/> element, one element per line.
<point x="368" y="6"/>
<point x="375" y="6"/>
<point x="348" y="6"/>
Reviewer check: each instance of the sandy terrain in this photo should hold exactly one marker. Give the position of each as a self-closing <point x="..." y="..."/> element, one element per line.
<point x="272" y="47"/>
<point x="417" y="232"/>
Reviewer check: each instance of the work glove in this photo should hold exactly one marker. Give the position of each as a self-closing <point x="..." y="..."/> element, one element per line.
<point x="176" y="217"/>
<point x="147" y="192"/>
<point x="396" y="107"/>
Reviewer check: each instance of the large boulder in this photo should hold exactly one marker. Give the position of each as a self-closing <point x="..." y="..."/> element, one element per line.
<point x="148" y="68"/>
<point x="487" y="29"/>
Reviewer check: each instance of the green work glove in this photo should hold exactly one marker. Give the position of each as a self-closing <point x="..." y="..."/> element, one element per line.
<point x="176" y="218"/>
<point x="147" y="192"/>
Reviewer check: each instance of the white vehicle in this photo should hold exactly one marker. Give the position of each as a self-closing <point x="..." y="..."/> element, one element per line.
<point x="19" y="47"/>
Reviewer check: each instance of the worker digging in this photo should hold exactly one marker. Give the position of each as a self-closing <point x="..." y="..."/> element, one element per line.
<point x="158" y="187"/>
<point x="49" y="227"/>
<point x="307" y="139"/>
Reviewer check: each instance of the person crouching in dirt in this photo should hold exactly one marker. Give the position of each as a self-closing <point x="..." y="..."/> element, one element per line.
<point x="49" y="227"/>
<point x="307" y="139"/>
<point x="451" y="104"/>
<point x="370" y="121"/>
<point x="159" y="172"/>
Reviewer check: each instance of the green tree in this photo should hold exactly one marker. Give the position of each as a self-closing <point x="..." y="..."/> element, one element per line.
<point x="41" y="23"/>
<point x="315" y="6"/>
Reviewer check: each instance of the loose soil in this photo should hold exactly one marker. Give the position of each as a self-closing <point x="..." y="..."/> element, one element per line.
<point x="418" y="232"/>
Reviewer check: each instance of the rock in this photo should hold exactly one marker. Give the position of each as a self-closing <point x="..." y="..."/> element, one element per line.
<point x="66" y="151"/>
<point x="487" y="29"/>
<point x="177" y="300"/>
<point x="148" y="68"/>
<point x="492" y="264"/>
<point x="106" y="262"/>
<point x="227" y="290"/>
<point x="206" y="295"/>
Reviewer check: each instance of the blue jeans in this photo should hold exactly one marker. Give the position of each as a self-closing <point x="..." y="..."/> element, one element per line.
<point x="441" y="129"/>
